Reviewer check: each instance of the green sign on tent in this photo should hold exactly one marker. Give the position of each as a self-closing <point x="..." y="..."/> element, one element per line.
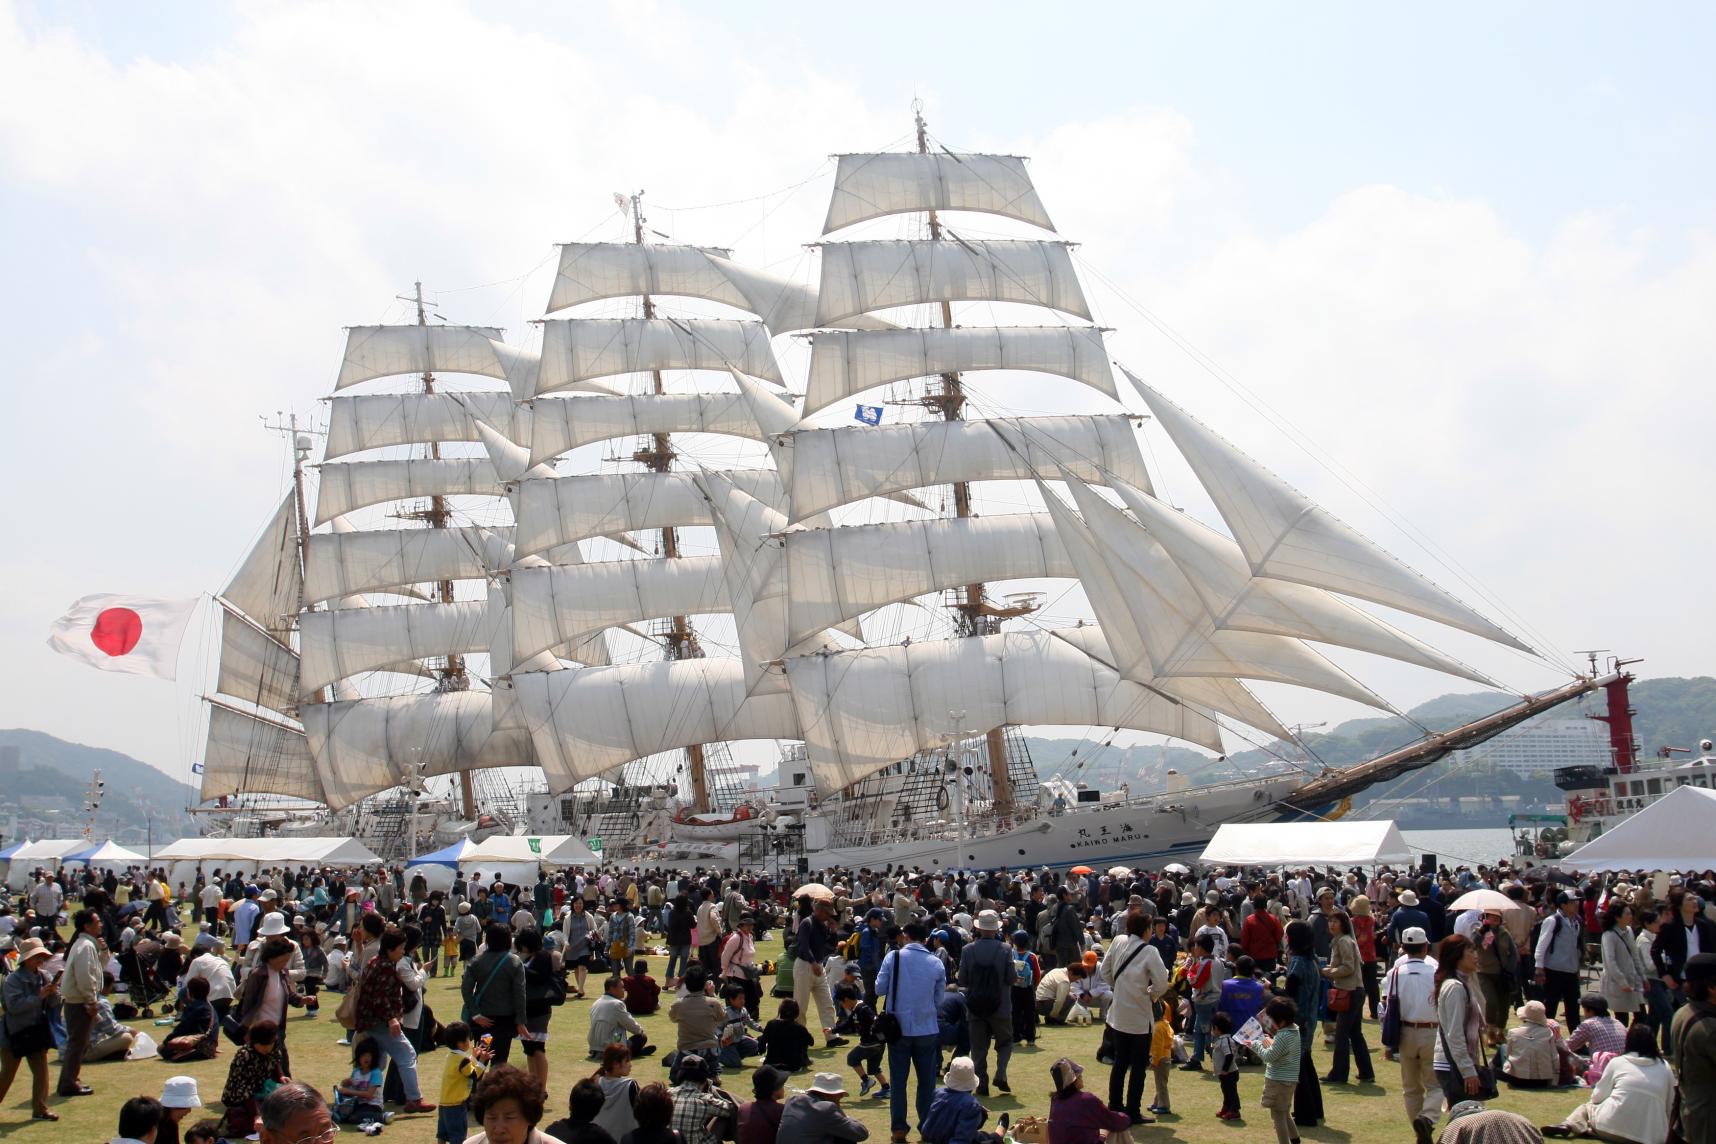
<point x="595" y="845"/>
<point x="535" y="845"/>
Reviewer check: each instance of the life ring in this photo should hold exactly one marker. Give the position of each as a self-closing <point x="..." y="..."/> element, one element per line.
<point x="941" y="799"/>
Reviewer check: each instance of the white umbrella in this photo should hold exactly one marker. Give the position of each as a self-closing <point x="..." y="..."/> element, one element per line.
<point x="815" y="891"/>
<point x="1175" y="868"/>
<point x="1120" y="872"/>
<point x="1485" y="900"/>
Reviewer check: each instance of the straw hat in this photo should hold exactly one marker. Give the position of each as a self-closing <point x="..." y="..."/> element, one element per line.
<point x="31" y="947"/>
<point x="961" y="1075"/>
<point x="988" y="921"/>
<point x="1533" y="1013"/>
<point x="1360" y="905"/>
<point x="1408" y="898"/>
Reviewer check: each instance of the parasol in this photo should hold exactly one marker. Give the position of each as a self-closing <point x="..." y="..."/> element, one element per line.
<point x="1175" y="868"/>
<point x="1485" y="899"/>
<point x="815" y="891"/>
<point x="1120" y="872"/>
<point x="1081" y="870"/>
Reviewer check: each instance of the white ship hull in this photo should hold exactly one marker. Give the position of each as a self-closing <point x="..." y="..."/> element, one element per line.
<point x="1143" y="832"/>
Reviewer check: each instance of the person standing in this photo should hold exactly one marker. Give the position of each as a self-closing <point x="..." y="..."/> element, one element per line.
<point x="709" y="932"/>
<point x="1137" y="976"/>
<point x="380" y="1008"/>
<point x="911" y="982"/>
<point x="1694" y="1040"/>
<point x="1345" y="972"/>
<point x="80" y="989"/>
<point x="815" y="942"/>
<point x="1557" y="957"/>
<point x="1460" y="1020"/>
<point x="1623" y="980"/>
<point x="987" y="975"/>
<point x="493" y="992"/>
<point x="1411" y="985"/>
<point x="28" y="996"/>
<point x="1686" y="933"/>
<point x="1283" y="1058"/>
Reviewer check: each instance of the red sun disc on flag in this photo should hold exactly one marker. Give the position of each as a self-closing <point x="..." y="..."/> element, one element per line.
<point x="116" y="631"/>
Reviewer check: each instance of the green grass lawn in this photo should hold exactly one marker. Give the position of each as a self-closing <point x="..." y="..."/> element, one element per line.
<point x="1355" y="1113"/>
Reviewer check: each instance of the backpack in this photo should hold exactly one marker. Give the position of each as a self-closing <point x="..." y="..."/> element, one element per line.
<point x="983" y="987"/>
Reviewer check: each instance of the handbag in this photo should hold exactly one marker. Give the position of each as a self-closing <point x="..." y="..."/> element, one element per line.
<point x="887" y="1026"/>
<point x="1031" y="1130"/>
<point x="1340" y="1000"/>
<point x="1390" y="1035"/>
<point x="470" y="1009"/>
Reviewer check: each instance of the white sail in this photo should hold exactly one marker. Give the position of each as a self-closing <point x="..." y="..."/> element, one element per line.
<point x="839" y="466"/>
<point x="860" y="277"/>
<point x="848" y="362"/>
<point x="361" y="747"/>
<point x="383" y="420"/>
<point x="559" y="425"/>
<point x="568" y="509"/>
<point x="591" y="271"/>
<point x="346" y="486"/>
<point x="342" y="564"/>
<point x="1286" y="536"/>
<point x="587" y="721"/>
<point x="752" y="572"/>
<point x="838" y="574"/>
<point x="386" y="351"/>
<point x="254" y="666"/>
<point x="247" y="755"/>
<point x="860" y="711"/>
<point x="343" y="643"/>
<point x="1180" y="637"/>
<point x="584" y="349"/>
<point x="876" y="185"/>
<point x="1216" y="569"/>
<point x="555" y="606"/>
<point x="267" y="586"/>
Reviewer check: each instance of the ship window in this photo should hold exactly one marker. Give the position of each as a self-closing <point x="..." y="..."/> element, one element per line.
<point x="1656" y="786"/>
<point x="798" y="779"/>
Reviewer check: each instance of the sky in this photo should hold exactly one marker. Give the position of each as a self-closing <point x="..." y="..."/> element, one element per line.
<point x="1449" y="270"/>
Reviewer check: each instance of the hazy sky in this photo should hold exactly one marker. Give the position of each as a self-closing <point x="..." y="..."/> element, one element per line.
<point x="1465" y="251"/>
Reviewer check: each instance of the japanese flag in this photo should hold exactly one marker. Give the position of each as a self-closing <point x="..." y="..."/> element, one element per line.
<point x="134" y="634"/>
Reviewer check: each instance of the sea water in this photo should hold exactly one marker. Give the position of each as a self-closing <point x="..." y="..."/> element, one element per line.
<point x="1462" y="847"/>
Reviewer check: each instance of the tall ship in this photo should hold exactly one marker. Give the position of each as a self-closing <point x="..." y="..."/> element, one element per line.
<point x="600" y="572"/>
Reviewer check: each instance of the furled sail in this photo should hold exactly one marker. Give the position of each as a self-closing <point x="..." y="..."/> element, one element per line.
<point x="267" y="586"/>
<point x="349" y="485"/>
<point x="839" y="466"/>
<point x="341" y="564"/>
<point x="557" y="605"/>
<point x="254" y="666"/>
<point x="876" y="185"/>
<point x="1286" y="536"/>
<point x="860" y="277"/>
<point x="838" y="574"/>
<point x="847" y="362"/>
<point x="559" y="425"/>
<point x="591" y="271"/>
<point x="587" y="721"/>
<point x="361" y="747"/>
<point x="584" y="349"/>
<point x="248" y="755"/>
<point x="383" y="420"/>
<point x="568" y="509"/>
<point x="386" y="351"/>
<point x="861" y="711"/>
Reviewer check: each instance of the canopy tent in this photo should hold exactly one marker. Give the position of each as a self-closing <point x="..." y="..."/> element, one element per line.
<point x="49" y="850"/>
<point x="7" y="852"/>
<point x="1677" y="832"/>
<point x="1306" y="844"/>
<point x="109" y="855"/>
<point x="320" y="851"/>
<point x="554" y="849"/>
<point x="446" y="856"/>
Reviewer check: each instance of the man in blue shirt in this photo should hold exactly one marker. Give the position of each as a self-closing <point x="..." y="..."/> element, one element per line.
<point x="244" y="917"/>
<point x="912" y="981"/>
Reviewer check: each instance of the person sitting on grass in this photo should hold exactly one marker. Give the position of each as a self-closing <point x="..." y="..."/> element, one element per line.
<point x="760" y="1118"/>
<point x="205" y="1131"/>
<point x="611" y="1024"/>
<point x="736" y="1028"/>
<point x="255" y="1069"/>
<point x="140" y="1120"/>
<point x="698" y="1016"/>
<point x="643" y="994"/>
<point x="584" y="1104"/>
<point x="955" y="1115"/>
<point x="357" y="1099"/>
<point x="1075" y="1115"/>
<point x="196" y="1036"/>
<point x="1632" y="1101"/>
<point x="785" y="1043"/>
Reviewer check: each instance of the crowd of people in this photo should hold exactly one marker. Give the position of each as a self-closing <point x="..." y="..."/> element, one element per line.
<point x="929" y="980"/>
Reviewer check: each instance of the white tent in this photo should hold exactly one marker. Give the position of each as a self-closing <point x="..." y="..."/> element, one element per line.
<point x="1306" y="844"/>
<point x="109" y="855"/>
<point x="553" y="849"/>
<point x="49" y="851"/>
<point x="1677" y="832"/>
<point x="277" y="851"/>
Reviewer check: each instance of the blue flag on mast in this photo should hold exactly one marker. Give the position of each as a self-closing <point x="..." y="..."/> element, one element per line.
<point x="868" y="414"/>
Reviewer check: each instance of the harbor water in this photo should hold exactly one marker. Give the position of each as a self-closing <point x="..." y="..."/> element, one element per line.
<point x="1462" y="847"/>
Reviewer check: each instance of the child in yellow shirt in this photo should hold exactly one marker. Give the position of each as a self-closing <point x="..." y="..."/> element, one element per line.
<point x="458" y="1077"/>
<point x="1161" y="1057"/>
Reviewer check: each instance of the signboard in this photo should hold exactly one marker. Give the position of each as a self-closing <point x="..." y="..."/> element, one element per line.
<point x="595" y="844"/>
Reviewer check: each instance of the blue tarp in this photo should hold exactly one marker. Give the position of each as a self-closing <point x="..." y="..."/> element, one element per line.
<point x="13" y="849"/>
<point x="446" y="856"/>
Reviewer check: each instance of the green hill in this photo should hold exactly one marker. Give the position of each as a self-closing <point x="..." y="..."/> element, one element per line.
<point x="50" y="784"/>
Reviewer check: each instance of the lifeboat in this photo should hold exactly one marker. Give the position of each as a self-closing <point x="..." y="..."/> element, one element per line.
<point x="708" y="827"/>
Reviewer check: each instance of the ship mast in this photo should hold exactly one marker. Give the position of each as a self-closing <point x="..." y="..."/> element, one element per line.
<point x="974" y="614"/>
<point x="453" y="676"/>
<point x="656" y="455"/>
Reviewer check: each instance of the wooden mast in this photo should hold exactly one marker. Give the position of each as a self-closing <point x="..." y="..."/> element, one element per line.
<point x="975" y="616"/>
<point x="452" y="677"/>
<point x="657" y="457"/>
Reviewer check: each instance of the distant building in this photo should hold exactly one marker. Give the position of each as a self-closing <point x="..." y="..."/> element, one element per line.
<point x="1543" y="746"/>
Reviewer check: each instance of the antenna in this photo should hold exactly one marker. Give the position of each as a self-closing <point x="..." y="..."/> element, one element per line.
<point x="92" y="796"/>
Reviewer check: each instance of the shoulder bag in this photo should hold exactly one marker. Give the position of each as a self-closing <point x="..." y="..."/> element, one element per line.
<point x="1486" y="1074"/>
<point x="887" y="1027"/>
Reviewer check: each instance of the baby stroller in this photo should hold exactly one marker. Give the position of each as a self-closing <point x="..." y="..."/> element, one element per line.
<point x="143" y="986"/>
